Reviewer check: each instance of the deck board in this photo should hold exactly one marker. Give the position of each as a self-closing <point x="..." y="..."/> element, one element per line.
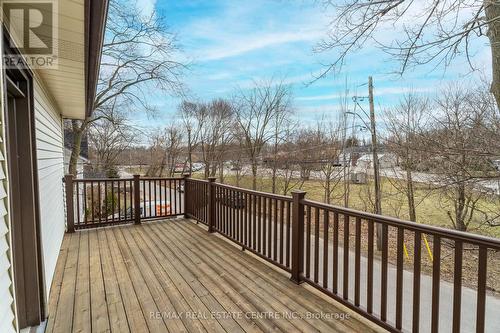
<point x="99" y="307"/>
<point x="64" y="315"/>
<point x="134" y="315"/>
<point x="173" y="276"/>
<point x="57" y="282"/>
<point x="116" y="311"/>
<point x="81" y="319"/>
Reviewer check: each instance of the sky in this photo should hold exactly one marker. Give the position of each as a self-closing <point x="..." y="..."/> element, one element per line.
<point x="232" y="44"/>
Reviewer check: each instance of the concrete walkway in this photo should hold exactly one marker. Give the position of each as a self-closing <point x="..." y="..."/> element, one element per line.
<point x="469" y="296"/>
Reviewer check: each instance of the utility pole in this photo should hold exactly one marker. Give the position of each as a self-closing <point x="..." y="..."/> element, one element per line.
<point x="376" y="171"/>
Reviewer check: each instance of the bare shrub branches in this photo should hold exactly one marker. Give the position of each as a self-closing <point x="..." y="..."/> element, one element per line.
<point x="427" y="31"/>
<point x="139" y="56"/>
<point x="257" y="110"/>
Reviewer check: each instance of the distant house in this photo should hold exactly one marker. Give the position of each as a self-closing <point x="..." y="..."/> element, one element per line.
<point x="364" y="161"/>
<point x="496" y="164"/>
<point x="386" y="160"/>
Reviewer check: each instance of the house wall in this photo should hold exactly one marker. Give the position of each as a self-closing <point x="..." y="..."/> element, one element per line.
<point x="49" y="148"/>
<point x="50" y="158"/>
<point x="7" y="308"/>
<point x="67" y="84"/>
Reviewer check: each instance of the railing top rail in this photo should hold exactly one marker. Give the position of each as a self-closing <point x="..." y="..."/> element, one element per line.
<point x="87" y="180"/>
<point x="262" y="194"/>
<point x="424" y="228"/>
<point x="84" y="180"/>
<point x="197" y="180"/>
<point x="161" y="178"/>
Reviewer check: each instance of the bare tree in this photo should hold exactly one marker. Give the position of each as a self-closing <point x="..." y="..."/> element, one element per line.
<point x="329" y="137"/>
<point x="221" y="152"/>
<point x="282" y="129"/>
<point x="188" y="113"/>
<point x="288" y="179"/>
<point x="256" y="111"/>
<point x="347" y="143"/>
<point x="138" y="53"/>
<point x="108" y="139"/>
<point x="166" y="150"/>
<point x="157" y="156"/>
<point x="307" y="151"/>
<point x="173" y="149"/>
<point x="404" y="124"/>
<point x="366" y="198"/>
<point x="238" y="155"/>
<point x="456" y="153"/>
<point x="430" y="31"/>
<point x="286" y="164"/>
<point x="216" y="119"/>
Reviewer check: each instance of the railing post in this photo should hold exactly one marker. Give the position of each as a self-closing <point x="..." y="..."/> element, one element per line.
<point x="70" y="212"/>
<point x="297" y="236"/>
<point x="137" y="200"/>
<point x="185" y="196"/>
<point x="211" y="204"/>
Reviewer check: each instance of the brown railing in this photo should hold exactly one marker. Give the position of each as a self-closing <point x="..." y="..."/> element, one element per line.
<point x="258" y="222"/>
<point x="334" y="249"/>
<point x="100" y="202"/>
<point x="336" y="277"/>
<point x="357" y="258"/>
<point x="197" y="205"/>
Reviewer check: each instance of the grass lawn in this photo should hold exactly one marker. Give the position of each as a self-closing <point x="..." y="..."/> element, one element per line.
<point x="432" y="205"/>
<point x="432" y="209"/>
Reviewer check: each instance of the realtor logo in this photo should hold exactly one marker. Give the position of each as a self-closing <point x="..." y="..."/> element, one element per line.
<point x="32" y="24"/>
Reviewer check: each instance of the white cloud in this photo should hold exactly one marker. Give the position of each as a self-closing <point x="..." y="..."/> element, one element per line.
<point x="239" y="45"/>
<point x="241" y="27"/>
<point x="147" y="7"/>
<point x="378" y="91"/>
<point x="318" y="97"/>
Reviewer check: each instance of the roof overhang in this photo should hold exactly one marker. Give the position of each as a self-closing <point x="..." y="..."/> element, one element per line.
<point x="96" y="12"/>
<point x="71" y="85"/>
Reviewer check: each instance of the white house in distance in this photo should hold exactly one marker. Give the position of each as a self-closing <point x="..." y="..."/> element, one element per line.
<point x="386" y="160"/>
<point x="50" y="61"/>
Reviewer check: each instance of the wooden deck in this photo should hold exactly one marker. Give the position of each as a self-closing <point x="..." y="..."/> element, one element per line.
<point x="172" y="276"/>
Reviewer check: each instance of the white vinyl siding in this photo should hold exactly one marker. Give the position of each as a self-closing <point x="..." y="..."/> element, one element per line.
<point x="6" y="290"/>
<point x="49" y="148"/>
<point x="50" y="155"/>
<point x="7" y="308"/>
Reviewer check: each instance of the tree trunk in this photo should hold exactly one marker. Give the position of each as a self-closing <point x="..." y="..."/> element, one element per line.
<point x="238" y="176"/>
<point x="207" y="170"/>
<point x="460" y="211"/>
<point x="327" y="189"/>
<point x="221" y="172"/>
<point x="162" y="165"/>
<point x="492" y="12"/>
<point x="273" y="189"/>
<point x="254" y="175"/>
<point x="346" y="183"/>
<point x="304" y="173"/>
<point x="275" y="155"/>
<point x="78" y="130"/>
<point x="190" y="154"/>
<point x="410" y="195"/>
<point x="213" y="171"/>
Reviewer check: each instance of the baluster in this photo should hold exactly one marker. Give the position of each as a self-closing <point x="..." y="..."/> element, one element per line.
<point x="345" y="291"/>
<point x="357" y="261"/>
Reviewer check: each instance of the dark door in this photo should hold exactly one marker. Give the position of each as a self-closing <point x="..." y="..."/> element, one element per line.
<point x="23" y="189"/>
